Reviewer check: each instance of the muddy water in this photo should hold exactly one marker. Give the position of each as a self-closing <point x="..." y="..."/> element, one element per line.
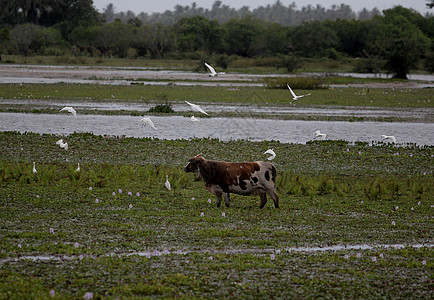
<point x="178" y="127"/>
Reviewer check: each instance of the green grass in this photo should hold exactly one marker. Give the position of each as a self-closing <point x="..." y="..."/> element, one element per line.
<point x="328" y="196"/>
<point x="397" y="98"/>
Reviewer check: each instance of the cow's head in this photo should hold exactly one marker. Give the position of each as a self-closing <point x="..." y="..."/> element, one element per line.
<point x="194" y="164"/>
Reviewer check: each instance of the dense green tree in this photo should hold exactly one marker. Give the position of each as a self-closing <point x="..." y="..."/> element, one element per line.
<point x="199" y="33"/>
<point x="352" y="36"/>
<point x="24" y="38"/>
<point x="313" y="39"/>
<point x="241" y="33"/>
<point x="47" y="12"/>
<point x="399" y="41"/>
<point x="5" y="36"/>
<point x="157" y="39"/>
<point x="272" y="39"/>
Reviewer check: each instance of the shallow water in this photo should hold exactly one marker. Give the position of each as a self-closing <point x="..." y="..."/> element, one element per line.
<point x="178" y="127"/>
<point x="11" y="73"/>
<point x="149" y="254"/>
<point x="422" y="114"/>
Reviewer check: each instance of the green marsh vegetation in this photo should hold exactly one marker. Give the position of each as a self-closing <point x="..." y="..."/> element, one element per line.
<point x="119" y="233"/>
<point x="165" y="96"/>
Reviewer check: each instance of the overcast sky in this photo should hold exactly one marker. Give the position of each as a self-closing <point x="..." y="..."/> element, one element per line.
<point x="147" y="6"/>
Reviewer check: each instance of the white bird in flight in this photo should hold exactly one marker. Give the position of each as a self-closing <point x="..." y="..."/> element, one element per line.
<point x="319" y="135"/>
<point x="386" y="137"/>
<point x="34" y="168"/>
<point x="193" y="119"/>
<point x="147" y="120"/>
<point x="294" y="96"/>
<point x="62" y="144"/>
<point x="212" y="71"/>
<point x="167" y="183"/>
<point x="272" y="154"/>
<point x="69" y="109"/>
<point x="196" y="108"/>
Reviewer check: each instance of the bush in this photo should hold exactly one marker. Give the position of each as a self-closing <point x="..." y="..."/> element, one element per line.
<point x="50" y="51"/>
<point x="368" y="65"/>
<point x="162" y="108"/>
<point x="300" y="83"/>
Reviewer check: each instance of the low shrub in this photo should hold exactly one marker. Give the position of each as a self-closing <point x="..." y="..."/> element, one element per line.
<point x="299" y="83"/>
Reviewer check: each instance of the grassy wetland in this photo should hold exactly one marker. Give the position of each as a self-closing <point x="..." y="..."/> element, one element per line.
<point x="355" y="220"/>
<point x="114" y="230"/>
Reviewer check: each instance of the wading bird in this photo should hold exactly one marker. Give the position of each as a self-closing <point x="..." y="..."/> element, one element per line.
<point x="294" y="96"/>
<point x="167" y="183"/>
<point x="212" y="71"/>
<point x="196" y="108"/>
<point x="62" y="144"/>
<point x="69" y="109"/>
<point x="319" y="135"/>
<point x="78" y="168"/>
<point x="272" y="154"/>
<point x="34" y="168"/>
<point x="147" y="120"/>
<point x="389" y="137"/>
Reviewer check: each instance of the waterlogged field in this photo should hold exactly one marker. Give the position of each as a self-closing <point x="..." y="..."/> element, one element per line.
<point x="355" y="221"/>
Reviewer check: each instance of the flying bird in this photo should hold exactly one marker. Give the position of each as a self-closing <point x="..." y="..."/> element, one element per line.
<point x="167" y="183"/>
<point x="193" y="119"/>
<point x="34" y="168"/>
<point x="69" y="109"/>
<point x="62" y="144"/>
<point x="294" y="96"/>
<point x="319" y="135"/>
<point x="147" y="120"/>
<point x="272" y="154"/>
<point x="196" y="108"/>
<point x="212" y="71"/>
<point x="387" y="137"/>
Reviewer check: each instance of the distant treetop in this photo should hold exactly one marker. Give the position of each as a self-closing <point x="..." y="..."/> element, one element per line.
<point x="276" y="13"/>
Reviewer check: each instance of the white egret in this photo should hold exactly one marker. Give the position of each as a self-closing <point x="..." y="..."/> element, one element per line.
<point x="34" y="168"/>
<point x="78" y="168"/>
<point x="196" y="108"/>
<point x="147" y="120"/>
<point x="294" y="96"/>
<point x="212" y="71"/>
<point x="272" y="154"/>
<point x="319" y="135"/>
<point x="69" y="109"/>
<point x="167" y="183"/>
<point x="62" y="144"/>
<point x="193" y="119"/>
<point x="387" y="137"/>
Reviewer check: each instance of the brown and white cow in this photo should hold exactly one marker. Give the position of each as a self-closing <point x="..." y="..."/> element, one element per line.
<point x="244" y="178"/>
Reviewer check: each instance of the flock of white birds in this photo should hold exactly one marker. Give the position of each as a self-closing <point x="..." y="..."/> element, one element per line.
<point x="193" y="119"/>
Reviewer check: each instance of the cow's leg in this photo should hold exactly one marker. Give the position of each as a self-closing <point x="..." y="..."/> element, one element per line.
<point x="274" y="196"/>
<point x="227" y="199"/>
<point x="263" y="196"/>
<point x="219" y="199"/>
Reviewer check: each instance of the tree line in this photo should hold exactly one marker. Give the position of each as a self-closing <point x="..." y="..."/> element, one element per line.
<point x="276" y="13"/>
<point x="400" y="37"/>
